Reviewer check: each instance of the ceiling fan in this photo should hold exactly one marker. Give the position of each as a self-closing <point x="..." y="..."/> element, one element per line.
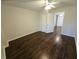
<point x="49" y="4"/>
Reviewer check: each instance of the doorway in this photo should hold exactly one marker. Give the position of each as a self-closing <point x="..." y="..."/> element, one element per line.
<point x="58" y="22"/>
<point x="58" y="19"/>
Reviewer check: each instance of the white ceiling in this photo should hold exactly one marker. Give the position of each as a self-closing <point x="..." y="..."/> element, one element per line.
<point x="38" y="5"/>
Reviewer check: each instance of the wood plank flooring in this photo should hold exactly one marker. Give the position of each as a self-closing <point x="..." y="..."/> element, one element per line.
<point x="40" y="45"/>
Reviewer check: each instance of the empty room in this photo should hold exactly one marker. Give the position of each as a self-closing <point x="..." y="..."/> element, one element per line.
<point x="38" y="29"/>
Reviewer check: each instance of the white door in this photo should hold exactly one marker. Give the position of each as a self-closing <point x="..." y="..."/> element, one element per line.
<point x="58" y="19"/>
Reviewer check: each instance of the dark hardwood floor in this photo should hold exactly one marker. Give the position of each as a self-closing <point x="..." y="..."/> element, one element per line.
<point x="40" y="45"/>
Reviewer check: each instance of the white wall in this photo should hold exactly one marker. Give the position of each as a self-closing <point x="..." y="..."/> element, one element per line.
<point x="70" y="20"/>
<point x="47" y="22"/>
<point x="17" y="22"/>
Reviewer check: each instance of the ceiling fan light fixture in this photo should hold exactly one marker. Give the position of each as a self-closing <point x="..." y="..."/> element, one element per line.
<point x="49" y="6"/>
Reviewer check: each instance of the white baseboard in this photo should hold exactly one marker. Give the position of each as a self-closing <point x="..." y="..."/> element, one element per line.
<point x="20" y="36"/>
<point x="68" y="35"/>
<point x="6" y="45"/>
